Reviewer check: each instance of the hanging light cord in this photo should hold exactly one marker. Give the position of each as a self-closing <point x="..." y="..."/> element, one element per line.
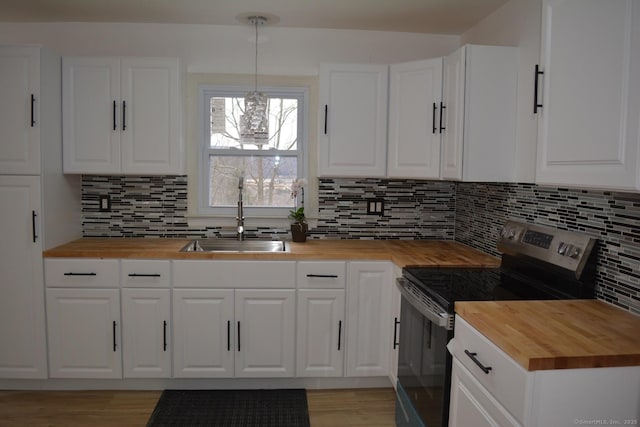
<point x="256" y="74"/>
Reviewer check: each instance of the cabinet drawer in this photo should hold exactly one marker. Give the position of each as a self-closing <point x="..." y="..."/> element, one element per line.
<point x="321" y="274"/>
<point x="234" y="274"/>
<point x="506" y="381"/>
<point x="145" y="273"/>
<point x="85" y="272"/>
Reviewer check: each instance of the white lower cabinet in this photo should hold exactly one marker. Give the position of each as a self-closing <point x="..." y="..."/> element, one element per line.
<point x="320" y="336"/>
<point x="395" y="321"/>
<point x="83" y="327"/>
<point x="203" y="338"/>
<point x="145" y="333"/>
<point x="488" y="388"/>
<point x="369" y="325"/>
<point x="226" y="332"/>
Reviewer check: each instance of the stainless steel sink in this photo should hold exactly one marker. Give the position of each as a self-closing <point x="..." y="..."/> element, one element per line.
<point x="224" y="245"/>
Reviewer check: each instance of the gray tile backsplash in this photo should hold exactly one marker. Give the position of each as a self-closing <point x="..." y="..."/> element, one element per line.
<point x="472" y="213"/>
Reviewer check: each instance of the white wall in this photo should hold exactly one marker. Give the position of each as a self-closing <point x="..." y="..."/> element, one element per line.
<point x="517" y="23"/>
<point x="230" y="49"/>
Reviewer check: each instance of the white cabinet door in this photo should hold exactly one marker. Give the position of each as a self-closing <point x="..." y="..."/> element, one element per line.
<point x="145" y="333"/>
<point x="395" y="318"/>
<point x="588" y="131"/>
<point x="368" y="318"/>
<point x="265" y="328"/>
<point x="121" y="116"/>
<point x="415" y="100"/>
<point x="23" y="352"/>
<point x="83" y="328"/>
<point x="151" y="128"/>
<point x="480" y="84"/>
<point x="353" y="120"/>
<point x="203" y="333"/>
<point x="19" y="110"/>
<point x="92" y="115"/>
<point x="320" y="335"/>
<point x="472" y="405"/>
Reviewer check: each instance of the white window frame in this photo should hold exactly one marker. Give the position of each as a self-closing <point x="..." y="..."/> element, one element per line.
<point x="205" y="93"/>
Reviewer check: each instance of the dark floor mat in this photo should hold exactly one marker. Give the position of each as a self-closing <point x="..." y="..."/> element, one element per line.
<point x="231" y="408"/>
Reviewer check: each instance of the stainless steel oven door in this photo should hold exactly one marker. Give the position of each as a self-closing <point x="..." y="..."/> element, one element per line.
<point x="423" y="367"/>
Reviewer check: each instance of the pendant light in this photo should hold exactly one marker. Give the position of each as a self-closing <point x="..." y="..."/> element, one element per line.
<point x="254" y="123"/>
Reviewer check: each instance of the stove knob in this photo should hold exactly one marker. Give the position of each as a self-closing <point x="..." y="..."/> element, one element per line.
<point x="562" y="248"/>
<point x="573" y="252"/>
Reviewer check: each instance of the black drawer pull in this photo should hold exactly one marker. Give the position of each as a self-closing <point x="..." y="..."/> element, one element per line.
<point x="80" y="274"/>
<point x="396" y="322"/>
<point x="472" y="356"/>
<point x="34" y="233"/>
<point x="164" y="335"/>
<point x="124" y="115"/>
<point x="325" y="276"/>
<point x="536" y="78"/>
<point x="114" y="115"/>
<point x="433" y="118"/>
<point x="114" y="336"/>
<point x="144" y="275"/>
<point x="33" y="107"/>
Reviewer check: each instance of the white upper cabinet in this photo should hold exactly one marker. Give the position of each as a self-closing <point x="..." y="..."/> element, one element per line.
<point x="480" y="84"/>
<point x="121" y="116"/>
<point x="20" y="110"/>
<point x="352" y="139"/>
<point x="590" y="94"/>
<point x="415" y="110"/>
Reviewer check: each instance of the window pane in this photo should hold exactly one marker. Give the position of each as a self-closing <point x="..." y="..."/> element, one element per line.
<point x="225" y="120"/>
<point x="267" y="180"/>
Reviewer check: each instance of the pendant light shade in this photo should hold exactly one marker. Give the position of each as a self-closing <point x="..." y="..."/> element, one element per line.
<point x="254" y="123"/>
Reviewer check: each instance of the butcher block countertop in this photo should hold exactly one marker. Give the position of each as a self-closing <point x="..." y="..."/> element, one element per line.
<point x="564" y="334"/>
<point x="403" y="253"/>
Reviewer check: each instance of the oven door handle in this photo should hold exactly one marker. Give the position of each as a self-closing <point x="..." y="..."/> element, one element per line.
<point x="440" y="318"/>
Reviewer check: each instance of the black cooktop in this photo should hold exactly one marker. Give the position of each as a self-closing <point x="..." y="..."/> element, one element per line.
<point x="447" y="285"/>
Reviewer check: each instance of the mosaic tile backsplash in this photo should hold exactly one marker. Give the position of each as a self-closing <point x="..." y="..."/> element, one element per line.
<point x="472" y="213"/>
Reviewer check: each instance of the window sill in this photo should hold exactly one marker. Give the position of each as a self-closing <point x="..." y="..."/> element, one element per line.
<point x="200" y="221"/>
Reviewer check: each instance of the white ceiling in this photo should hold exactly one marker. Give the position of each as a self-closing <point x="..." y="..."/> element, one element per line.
<point x="416" y="16"/>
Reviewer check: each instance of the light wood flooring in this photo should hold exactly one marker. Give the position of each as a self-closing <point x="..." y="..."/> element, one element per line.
<point x="327" y="408"/>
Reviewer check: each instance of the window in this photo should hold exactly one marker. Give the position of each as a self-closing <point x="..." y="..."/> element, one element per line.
<point x="268" y="170"/>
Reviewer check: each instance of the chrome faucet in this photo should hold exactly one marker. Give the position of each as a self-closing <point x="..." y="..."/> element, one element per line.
<point x="240" y="217"/>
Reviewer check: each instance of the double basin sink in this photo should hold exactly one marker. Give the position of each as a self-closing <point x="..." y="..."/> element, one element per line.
<point x="229" y="245"/>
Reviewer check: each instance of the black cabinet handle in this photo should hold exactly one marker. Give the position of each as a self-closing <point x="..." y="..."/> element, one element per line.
<point x="326" y="110"/>
<point x="339" y="333"/>
<point x="114" y="115"/>
<point x="33" y="108"/>
<point x="34" y="215"/>
<point x="80" y="274"/>
<point x="238" y="335"/>
<point x="472" y="356"/>
<point x="396" y="322"/>
<point x="124" y="115"/>
<point x="114" y="336"/>
<point x="144" y="275"/>
<point x="228" y="335"/>
<point x="325" y="276"/>
<point x="433" y="117"/>
<point x="442" y="107"/>
<point x="536" y="78"/>
<point x="164" y="335"/>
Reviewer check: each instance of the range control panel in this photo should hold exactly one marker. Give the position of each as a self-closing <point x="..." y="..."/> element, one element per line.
<point x="566" y="249"/>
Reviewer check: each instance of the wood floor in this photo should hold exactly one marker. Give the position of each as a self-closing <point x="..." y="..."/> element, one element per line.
<point x="327" y="408"/>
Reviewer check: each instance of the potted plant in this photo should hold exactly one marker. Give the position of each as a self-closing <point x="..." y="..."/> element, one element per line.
<point x="299" y="226"/>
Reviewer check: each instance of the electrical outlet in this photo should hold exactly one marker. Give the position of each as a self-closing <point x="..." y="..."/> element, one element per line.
<point x="105" y="203"/>
<point x="375" y="207"/>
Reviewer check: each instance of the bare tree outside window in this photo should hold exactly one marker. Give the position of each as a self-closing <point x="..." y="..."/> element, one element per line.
<point x="269" y="170"/>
